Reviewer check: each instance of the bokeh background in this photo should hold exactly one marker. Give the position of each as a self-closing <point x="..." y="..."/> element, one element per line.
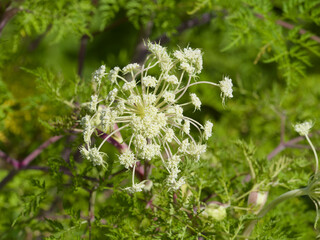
<point x="49" y="49"/>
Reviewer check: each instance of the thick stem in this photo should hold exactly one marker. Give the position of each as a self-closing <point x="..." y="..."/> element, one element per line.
<point x="273" y="204"/>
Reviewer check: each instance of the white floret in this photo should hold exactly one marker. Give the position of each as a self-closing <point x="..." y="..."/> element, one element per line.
<point x="171" y="79"/>
<point x="150" y="151"/>
<point x="303" y="128"/>
<point x="195" y="101"/>
<point x="132" y="67"/>
<point x="149" y="98"/>
<point x="186" y="127"/>
<point x="99" y="74"/>
<point x="127" y="159"/>
<point x="149" y="81"/>
<point x="112" y="94"/>
<point x="88" y="129"/>
<point x="226" y="88"/>
<point x="93" y="155"/>
<point x="137" y="187"/>
<point x="169" y="135"/>
<point x="207" y="130"/>
<point x="140" y="141"/>
<point x="93" y="103"/>
<point x="113" y="74"/>
<point x="121" y="107"/>
<point x="196" y="150"/>
<point x="183" y="148"/>
<point x="188" y="68"/>
<point x="161" y="54"/>
<point x="128" y="86"/>
<point x="169" y="97"/>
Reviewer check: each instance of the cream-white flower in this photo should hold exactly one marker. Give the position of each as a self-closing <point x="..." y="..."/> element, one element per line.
<point x="175" y="185"/>
<point x="196" y="150"/>
<point x="161" y="54"/>
<point x="195" y="101"/>
<point x="214" y="211"/>
<point x="186" y="126"/>
<point x="169" y="135"/>
<point x="113" y="74"/>
<point x="99" y="74"/>
<point x="190" y="60"/>
<point x="171" y="79"/>
<point x="226" y="88"/>
<point x="149" y="99"/>
<point x="207" y="130"/>
<point x="137" y="187"/>
<point x="94" y="156"/>
<point x="183" y="148"/>
<point x="187" y="67"/>
<point x="149" y="81"/>
<point x="149" y="108"/>
<point x="93" y="103"/>
<point x="303" y="128"/>
<point x="88" y="129"/>
<point x="112" y="94"/>
<point x="132" y="67"/>
<point x="169" y="96"/>
<point x="127" y="159"/>
<point x="149" y="151"/>
<point x="129" y="86"/>
<point x="140" y="141"/>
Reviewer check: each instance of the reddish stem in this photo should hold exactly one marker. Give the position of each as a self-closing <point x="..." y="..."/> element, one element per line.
<point x="15" y="163"/>
<point x="36" y="152"/>
<point x="289" y="144"/>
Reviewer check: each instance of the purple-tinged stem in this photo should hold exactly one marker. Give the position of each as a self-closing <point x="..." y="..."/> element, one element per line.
<point x="36" y="152"/>
<point x="15" y="163"/>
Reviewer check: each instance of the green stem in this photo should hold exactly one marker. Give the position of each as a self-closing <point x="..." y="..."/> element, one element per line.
<point x="273" y="204"/>
<point x="314" y="152"/>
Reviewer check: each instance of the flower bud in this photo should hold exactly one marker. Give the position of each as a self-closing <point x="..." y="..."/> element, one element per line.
<point x="215" y="211"/>
<point x="256" y="200"/>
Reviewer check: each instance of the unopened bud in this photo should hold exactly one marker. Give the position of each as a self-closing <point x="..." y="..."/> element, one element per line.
<point x="256" y="200"/>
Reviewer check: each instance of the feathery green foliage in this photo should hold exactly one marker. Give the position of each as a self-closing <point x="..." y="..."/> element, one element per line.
<point x="48" y="52"/>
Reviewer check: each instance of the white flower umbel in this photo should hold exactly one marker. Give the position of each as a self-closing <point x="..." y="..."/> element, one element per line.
<point x="207" y="130"/>
<point x="99" y="74"/>
<point x="226" y="88"/>
<point x="149" y="108"/>
<point x="93" y="103"/>
<point x="137" y="187"/>
<point x="303" y="129"/>
<point x="113" y="74"/>
<point x="195" y="101"/>
<point x="127" y="159"/>
<point x="132" y="67"/>
<point x="94" y="156"/>
<point x="190" y="60"/>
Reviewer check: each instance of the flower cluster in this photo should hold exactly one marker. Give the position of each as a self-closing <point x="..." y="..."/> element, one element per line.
<point x="226" y="88"/>
<point x="214" y="211"/>
<point x="303" y="128"/>
<point x="148" y="107"/>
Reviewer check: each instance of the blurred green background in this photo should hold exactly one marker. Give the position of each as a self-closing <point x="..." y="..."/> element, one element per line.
<point x="49" y="49"/>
